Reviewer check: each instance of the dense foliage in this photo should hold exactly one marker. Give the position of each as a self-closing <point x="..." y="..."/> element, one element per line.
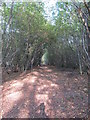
<point x="27" y="36"/>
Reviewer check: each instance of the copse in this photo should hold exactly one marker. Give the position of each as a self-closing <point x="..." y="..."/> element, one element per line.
<point x="27" y="36"/>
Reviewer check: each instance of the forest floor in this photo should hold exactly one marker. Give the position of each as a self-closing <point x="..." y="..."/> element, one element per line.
<point x="45" y="92"/>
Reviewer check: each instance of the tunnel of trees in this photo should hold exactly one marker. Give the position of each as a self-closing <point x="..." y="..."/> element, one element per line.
<point x="45" y="51"/>
<point x="30" y="39"/>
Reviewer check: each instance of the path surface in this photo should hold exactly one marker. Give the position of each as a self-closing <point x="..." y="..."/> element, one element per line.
<point x="46" y="92"/>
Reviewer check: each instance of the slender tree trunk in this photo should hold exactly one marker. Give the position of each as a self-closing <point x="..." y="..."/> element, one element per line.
<point x="79" y="59"/>
<point x="79" y="56"/>
<point x="88" y="34"/>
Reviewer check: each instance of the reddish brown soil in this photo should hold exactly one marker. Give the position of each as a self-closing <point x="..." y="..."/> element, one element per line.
<point x="64" y="94"/>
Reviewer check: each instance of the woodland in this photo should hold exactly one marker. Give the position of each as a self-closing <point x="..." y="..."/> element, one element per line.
<point x="45" y="59"/>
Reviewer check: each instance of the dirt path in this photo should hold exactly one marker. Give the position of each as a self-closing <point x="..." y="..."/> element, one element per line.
<point x="46" y="92"/>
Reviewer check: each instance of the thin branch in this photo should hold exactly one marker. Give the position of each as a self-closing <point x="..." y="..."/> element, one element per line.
<point x="83" y="43"/>
<point x="10" y="17"/>
<point x="87" y="6"/>
<point x="83" y="19"/>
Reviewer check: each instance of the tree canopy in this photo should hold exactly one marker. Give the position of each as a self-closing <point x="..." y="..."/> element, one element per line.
<point x="28" y="35"/>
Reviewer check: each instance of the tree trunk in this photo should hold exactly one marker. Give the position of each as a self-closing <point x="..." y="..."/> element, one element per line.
<point x="79" y="59"/>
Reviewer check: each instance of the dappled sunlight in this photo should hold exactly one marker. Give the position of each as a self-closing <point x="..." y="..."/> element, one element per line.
<point x="14" y="95"/>
<point x="41" y="98"/>
<point x="18" y="84"/>
<point x="15" y="86"/>
<point x="54" y="85"/>
<point x="35" y="73"/>
<point x="10" y="101"/>
<point x="10" y="82"/>
<point x="48" y="70"/>
<point x="61" y="96"/>
<point x="45" y="59"/>
<point x="23" y="112"/>
<point x="42" y="87"/>
<point x="30" y="80"/>
<point x="44" y="67"/>
<point x="43" y="81"/>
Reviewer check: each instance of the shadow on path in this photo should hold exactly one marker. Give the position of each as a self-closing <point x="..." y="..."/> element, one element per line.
<point x="45" y="93"/>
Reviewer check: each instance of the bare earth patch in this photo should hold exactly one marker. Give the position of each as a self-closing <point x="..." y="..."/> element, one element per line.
<point x="46" y="92"/>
